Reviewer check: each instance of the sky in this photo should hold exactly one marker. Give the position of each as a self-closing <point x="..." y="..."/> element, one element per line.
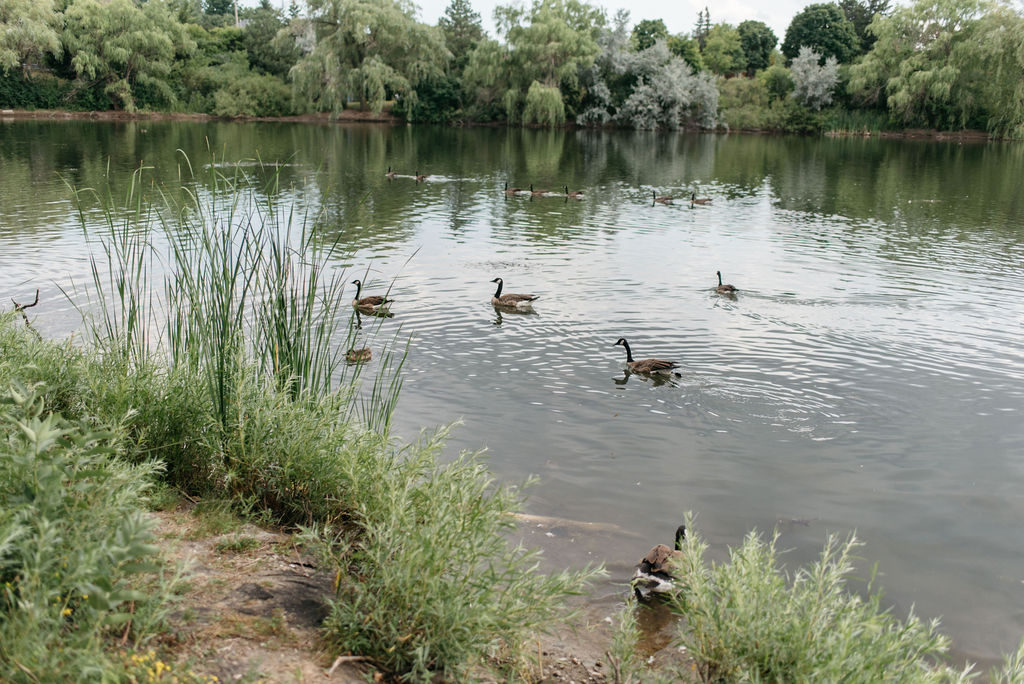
<point x="679" y="15"/>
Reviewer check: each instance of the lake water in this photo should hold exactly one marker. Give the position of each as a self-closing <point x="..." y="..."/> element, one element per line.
<point x="869" y="375"/>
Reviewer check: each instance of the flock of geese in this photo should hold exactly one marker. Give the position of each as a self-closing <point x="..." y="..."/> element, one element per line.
<point x="380" y="305"/>
<point x="575" y="194"/>
<point x="653" y="574"/>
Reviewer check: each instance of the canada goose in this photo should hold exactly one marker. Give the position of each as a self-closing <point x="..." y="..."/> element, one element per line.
<point x="653" y="574"/>
<point x="368" y="304"/>
<point x="724" y="289"/>
<point x="515" y="301"/>
<point x="646" y="366"/>
<point x="390" y="174"/>
<point x="664" y="199"/>
<point x="575" y="194"/>
<point x="537" y="193"/>
<point x="699" y="200"/>
<point x="512" y="191"/>
<point x="420" y="177"/>
<point x="358" y="355"/>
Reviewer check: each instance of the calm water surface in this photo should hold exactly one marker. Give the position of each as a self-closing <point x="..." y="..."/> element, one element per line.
<point x="869" y="375"/>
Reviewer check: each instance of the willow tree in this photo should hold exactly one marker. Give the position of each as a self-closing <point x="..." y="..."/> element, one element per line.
<point x="946" y="63"/>
<point x="486" y="79"/>
<point x="549" y="44"/>
<point x="125" y="47"/>
<point x="28" y="31"/>
<point x="364" y="50"/>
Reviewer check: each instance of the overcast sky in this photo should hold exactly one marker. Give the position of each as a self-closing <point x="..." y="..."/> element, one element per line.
<point x="679" y="15"/>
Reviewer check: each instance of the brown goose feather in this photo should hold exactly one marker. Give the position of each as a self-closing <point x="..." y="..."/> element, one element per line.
<point x="370" y="302"/>
<point x="645" y="366"/>
<point x="510" y="299"/>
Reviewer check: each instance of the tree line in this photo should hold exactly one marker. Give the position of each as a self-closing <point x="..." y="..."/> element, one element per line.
<point x="855" y="64"/>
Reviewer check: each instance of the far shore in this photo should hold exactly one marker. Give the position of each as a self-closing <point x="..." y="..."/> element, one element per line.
<point x="385" y="117"/>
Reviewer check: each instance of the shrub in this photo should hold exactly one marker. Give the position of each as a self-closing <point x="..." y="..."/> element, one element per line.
<point x="253" y="94"/>
<point x="72" y="538"/>
<point x="813" y="82"/>
<point x="431" y="585"/>
<point x="747" y="620"/>
<point x="743" y="103"/>
<point x="777" y="80"/>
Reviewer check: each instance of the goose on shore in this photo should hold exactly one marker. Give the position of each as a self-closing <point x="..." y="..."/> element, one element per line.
<point x="370" y="304"/>
<point x="724" y="289"/>
<point x="646" y="366"/>
<point x="510" y="300"/>
<point x="653" y="574"/>
<point x="698" y="200"/>
<point x="664" y="199"/>
<point x="575" y="194"/>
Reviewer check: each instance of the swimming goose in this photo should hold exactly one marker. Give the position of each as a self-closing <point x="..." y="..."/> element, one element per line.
<point x="358" y="355"/>
<point x="512" y="191"/>
<point x="575" y="194"/>
<point x="420" y="177"/>
<point x="646" y="366"/>
<point x="390" y="174"/>
<point x="698" y="200"/>
<point x="724" y="289"/>
<point x="537" y="193"/>
<point x="653" y="574"/>
<point x="372" y="303"/>
<point x="515" y="301"/>
<point x="665" y="199"/>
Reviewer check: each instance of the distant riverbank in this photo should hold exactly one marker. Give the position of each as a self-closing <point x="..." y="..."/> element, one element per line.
<point x="385" y="117"/>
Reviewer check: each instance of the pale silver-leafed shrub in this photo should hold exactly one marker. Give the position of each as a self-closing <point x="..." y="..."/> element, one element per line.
<point x="668" y="93"/>
<point x="813" y="82"/>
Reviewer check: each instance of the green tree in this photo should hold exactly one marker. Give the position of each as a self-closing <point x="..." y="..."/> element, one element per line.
<point x="946" y="63"/>
<point x="218" y="6"/>
<point x="777" y="81"/>
<point x="823" y="28"/>
<point x="860" y="15"/>
<point x="723" y="50"/>
<point x="702" y="27"/>
<point x="486" y="79"/>
<point x="757" y="41"/>
<point x="462" y="31"/>
<point x="1000" y="58"/>
<point x="551" y="43"/>
<point x="687" y="48"/>
<point x="544" y="105"/>
<point x="648" y="32"/>
<point x="266" y="54"/>
<point x="126" y="47"/>
<point x="28" y="31"/>
<point x="364" y="50"/>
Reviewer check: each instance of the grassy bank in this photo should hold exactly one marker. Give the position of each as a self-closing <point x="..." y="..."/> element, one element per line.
<point x="222" y="376"/>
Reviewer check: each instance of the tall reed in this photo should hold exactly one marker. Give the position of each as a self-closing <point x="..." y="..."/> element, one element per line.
<point x="243" y="281"/>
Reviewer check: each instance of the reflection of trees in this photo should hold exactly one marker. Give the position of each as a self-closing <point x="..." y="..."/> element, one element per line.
<point x="336" y="174"/>
<point x="921" y="182"/>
